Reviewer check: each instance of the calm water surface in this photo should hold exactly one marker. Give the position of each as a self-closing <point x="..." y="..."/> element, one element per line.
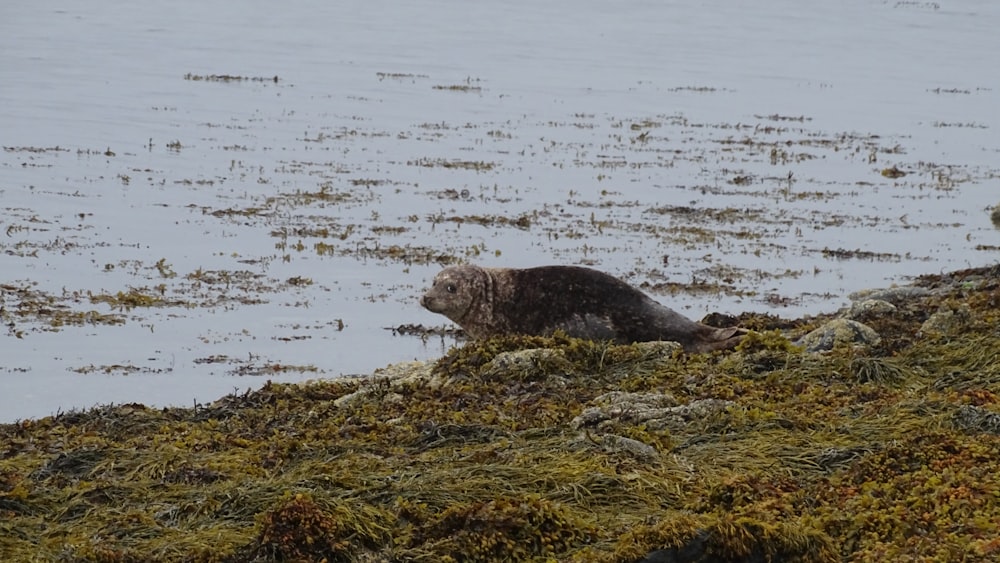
<point x="356" y="145"/>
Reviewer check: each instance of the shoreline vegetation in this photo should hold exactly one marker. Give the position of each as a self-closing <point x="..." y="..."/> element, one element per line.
<point x="872" y="434"/>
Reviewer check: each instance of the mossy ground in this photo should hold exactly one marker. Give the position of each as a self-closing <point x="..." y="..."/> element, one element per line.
<point x="886" y="454"/>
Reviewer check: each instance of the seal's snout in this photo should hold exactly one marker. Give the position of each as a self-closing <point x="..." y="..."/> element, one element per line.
<point x="433" y="303"/>
<point x="428" y="302"/>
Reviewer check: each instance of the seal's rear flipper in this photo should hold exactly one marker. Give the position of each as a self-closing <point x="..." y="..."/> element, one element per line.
<point x="712" y="339"/>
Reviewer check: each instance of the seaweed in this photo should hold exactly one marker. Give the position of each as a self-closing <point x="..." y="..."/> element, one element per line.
<point x="544" y="449"/>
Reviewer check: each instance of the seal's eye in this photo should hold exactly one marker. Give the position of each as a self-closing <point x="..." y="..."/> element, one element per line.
<point x="451" y="288"/>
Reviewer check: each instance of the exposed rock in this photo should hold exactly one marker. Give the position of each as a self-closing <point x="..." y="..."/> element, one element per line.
<point x="945" y="322"/>
<point x="839" y="332"/>
<point x="977" y="419"/>
<point x="636" y="400"/>
<point x="533" y="363"/>
<point x="659" y="348"/>
<point x="869" y="308"/>
<point x="613" y="443"/>
<point x="654" y="410"/>
<point x="389" y="380"/>
<point x="894" y="295"/>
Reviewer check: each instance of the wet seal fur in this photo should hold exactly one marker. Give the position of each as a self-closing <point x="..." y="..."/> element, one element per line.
<point x="582" y="302"/>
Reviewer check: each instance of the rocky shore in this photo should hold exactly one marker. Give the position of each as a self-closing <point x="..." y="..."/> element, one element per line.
<point x="871" y="434"/>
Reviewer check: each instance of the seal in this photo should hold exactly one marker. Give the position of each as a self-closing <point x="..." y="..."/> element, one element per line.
<point x="581" y="302"/>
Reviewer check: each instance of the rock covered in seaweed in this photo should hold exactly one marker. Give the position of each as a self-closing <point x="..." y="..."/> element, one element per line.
<point x="839" y="332"/>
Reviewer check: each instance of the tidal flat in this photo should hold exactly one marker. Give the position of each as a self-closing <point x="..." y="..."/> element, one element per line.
<point x="195" y="201"/>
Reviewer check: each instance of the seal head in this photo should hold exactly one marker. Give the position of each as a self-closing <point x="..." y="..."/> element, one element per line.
<point x="460" y="293"/>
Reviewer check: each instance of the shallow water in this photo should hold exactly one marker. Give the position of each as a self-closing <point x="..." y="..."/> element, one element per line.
<point x="359" y="146"/>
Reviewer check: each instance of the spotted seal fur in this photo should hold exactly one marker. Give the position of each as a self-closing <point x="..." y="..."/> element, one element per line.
<point x="582" y="302"/>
